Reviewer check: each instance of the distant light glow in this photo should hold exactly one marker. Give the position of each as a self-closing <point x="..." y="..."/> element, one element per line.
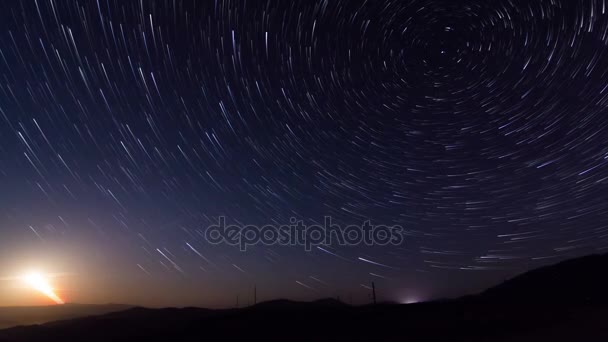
<point x="40" y="283"/>
<point x="410" y="300"/>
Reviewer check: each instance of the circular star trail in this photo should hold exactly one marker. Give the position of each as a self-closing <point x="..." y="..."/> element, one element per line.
<point x="480" y="127"/>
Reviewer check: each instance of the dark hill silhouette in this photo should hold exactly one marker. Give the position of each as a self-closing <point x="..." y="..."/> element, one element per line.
<point x="28" y="315"/>
<point x="578" y="280"/>
<point x="285" y="304"/>
<point x="530" y="307"/>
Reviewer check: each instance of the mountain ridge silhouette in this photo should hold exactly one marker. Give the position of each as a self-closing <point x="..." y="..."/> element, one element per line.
<point x="524" y="308"/>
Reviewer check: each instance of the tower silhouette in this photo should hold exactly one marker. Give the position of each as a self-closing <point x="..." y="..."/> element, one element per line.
<point x="374" y="291"/>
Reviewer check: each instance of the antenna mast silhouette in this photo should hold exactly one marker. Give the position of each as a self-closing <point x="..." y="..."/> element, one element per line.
<point x="374" y="292"/>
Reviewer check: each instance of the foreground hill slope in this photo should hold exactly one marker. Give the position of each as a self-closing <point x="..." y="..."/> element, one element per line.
<point x="581" y="280"/>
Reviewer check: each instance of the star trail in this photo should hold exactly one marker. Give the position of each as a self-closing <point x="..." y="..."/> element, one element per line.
<point x="128" y="127"/>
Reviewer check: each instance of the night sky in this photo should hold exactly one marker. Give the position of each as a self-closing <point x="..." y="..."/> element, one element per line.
<point x="128" y="127"/>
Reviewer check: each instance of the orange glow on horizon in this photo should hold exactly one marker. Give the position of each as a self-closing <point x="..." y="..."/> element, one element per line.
<point x="40" y="283"/>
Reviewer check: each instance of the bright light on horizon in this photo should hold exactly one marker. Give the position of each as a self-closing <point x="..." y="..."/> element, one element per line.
<point x="411" y="300"/>
<point x="40" y="283"/>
